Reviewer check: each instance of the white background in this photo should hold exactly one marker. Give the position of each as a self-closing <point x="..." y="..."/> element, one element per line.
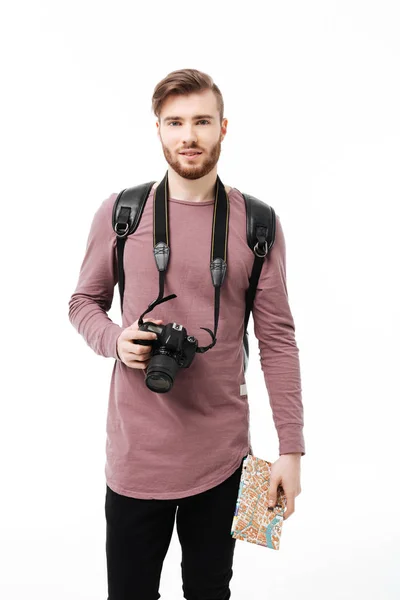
<point x="312" y="98"/>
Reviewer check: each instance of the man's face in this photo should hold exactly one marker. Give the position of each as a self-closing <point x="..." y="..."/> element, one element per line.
<point x="188" y="132"/>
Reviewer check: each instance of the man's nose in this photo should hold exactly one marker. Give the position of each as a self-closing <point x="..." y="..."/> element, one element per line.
<point x="189" y="135"/>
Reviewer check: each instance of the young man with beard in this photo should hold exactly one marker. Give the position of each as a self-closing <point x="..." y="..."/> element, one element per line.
<point x="179" y="456"/>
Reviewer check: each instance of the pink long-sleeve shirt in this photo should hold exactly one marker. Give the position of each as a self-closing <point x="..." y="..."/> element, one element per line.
<point x="192" y="438"/>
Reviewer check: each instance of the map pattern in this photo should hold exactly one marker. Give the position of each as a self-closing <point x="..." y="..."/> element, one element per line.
<point x="254" y="521"/>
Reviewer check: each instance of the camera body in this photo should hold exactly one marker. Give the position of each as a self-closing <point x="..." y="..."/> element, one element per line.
<point x="173" y="349"/>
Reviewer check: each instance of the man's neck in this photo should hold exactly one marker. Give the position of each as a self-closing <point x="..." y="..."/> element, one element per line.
<point x="192" y="190"/>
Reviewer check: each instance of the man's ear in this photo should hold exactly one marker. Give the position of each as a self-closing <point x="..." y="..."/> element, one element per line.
<point x="224" y="126"/>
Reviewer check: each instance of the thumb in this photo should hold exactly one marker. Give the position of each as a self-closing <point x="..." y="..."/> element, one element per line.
<point x="154" y="320"/>
<point x="272" y="492"/>
<point x="136" y="323"/>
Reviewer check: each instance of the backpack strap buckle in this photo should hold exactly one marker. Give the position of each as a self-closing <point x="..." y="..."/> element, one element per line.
<point x="256" y="248"/>
<point x="119" y="231"/>
<point x="261" y="233"/>
<point x="122" y="222"/>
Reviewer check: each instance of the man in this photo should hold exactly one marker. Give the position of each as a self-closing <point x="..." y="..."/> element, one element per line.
<point x="179" y="455"/>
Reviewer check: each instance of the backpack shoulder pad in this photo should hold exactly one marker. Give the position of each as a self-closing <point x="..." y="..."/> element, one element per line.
<point x="128" y="207"/>
<point x="259" y="213"/>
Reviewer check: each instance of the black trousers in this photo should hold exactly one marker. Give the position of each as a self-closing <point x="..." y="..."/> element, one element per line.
<point x="138" y="535"/>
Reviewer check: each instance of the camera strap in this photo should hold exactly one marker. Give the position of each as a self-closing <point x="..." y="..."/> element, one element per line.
<point x="260" y="235"/>
<point x="218" y="253"/>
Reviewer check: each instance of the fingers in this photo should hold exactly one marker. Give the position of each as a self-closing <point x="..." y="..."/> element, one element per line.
<point x="135" y="325"/>
<point x="273" y="486"/>
<point x="136" y="356"/>
<point x="130" y="333"/>
<point x="130" y="345"/>
<point x="289" y="508"/>
<point x="133" y="331"/>
<point x="135" y="353"/>
<point x="137" y="364"/>
<point x="273" y="495"/>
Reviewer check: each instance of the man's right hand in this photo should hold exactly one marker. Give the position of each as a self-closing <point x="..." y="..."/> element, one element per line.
<point x="135" y="355"/>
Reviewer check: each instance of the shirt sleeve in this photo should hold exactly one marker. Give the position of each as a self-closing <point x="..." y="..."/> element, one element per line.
<point x="93" y="295"/>
<point x="279" y="354"/>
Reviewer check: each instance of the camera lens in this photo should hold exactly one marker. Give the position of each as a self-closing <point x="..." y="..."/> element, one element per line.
<point x="161" y="373"/>
<point x="159" y="382"/>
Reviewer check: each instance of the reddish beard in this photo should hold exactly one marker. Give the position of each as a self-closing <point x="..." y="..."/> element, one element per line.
<point x="204" y="164"/>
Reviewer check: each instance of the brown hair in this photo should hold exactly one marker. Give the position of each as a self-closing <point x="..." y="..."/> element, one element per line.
<point x="185" y="81"/>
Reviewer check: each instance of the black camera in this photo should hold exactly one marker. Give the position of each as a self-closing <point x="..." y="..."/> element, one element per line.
<point x="172" y="349"/>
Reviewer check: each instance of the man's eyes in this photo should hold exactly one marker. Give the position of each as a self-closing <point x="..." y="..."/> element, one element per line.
<point x="201" y="121"/>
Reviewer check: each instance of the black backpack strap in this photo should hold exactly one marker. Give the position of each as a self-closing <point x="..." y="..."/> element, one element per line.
<point x="261" y="225"/>
<point x="127" y="212"/>
<point x="260" y="228"/>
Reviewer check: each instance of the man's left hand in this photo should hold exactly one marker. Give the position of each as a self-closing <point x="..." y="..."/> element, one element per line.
<point x="286" y="471"/>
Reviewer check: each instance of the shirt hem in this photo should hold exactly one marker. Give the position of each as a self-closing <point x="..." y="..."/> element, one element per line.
<point x="175" y="495"/>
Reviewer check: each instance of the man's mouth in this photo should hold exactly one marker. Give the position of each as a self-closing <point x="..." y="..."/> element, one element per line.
<point x="190" y="154"/>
